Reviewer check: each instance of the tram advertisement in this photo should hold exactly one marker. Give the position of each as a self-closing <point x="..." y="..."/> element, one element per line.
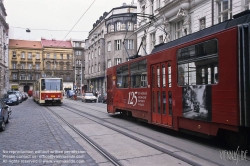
<point x="197" y="102"/>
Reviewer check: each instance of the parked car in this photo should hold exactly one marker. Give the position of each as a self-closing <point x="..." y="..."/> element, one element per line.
<point x="9" y="110"/>
<point x="88" y="97"/>
<point x="4" y="116"/>
<point x="10" y="99"/>
<point x="26" y="95"/>
<point x="70" y="93"/>
<point x="104" y="98"/>
<point x="20" y="97"/>
<point x="101" y="98"/>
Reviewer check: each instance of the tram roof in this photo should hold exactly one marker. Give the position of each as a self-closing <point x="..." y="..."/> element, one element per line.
<point x="240" y="18"/>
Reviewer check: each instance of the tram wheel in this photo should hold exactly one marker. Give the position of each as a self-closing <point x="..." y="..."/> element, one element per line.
<point x="237" y="140"/>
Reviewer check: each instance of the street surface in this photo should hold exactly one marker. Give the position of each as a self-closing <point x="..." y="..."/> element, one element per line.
<point x="35" y="136"/>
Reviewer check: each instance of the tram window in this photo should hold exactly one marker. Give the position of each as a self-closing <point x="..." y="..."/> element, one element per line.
<point x="163" y="76"/>
<point x="159" y="102"/>
<point x="158" y="76"/>
<point x="122" y="77"/>
<point x="43" y="84"/>
<point x="200" y="67"/>
<point x="138" y="74"/>
<point x="169" y="76"/>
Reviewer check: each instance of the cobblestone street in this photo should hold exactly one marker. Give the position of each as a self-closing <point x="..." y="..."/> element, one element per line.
<point x="31" y="129"/>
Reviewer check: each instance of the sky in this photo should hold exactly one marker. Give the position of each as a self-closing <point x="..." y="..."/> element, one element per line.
<point x="53" y="19"/>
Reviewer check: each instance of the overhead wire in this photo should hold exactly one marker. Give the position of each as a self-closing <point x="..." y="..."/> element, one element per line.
<point x="45" y="29"/>
<point x="77" y="21"/>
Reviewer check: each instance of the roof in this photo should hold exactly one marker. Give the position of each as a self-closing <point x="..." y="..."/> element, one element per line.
<point x="56" y="43"/>
<point x="25" y="44"/>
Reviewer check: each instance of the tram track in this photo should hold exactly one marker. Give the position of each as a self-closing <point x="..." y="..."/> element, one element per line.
<point x="107" y="155"/>
<point x="166" y="151"/>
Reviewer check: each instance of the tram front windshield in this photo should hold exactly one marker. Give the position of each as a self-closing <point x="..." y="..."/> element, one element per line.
<point x="51" y="84"/>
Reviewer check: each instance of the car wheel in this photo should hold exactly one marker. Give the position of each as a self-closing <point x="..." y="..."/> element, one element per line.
<point x="2" y="127"/>
<point x="82" y="100"/>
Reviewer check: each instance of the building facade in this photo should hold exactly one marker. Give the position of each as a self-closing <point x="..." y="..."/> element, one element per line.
<point x="79" y="64"/>
<point x="57" y="57"/>
<point x="25" y="64"/>
<point x="167" y="20"/>
<point x="4" y="79"/>
<point x="95" y="56"/>
<point x="111" y="41"/>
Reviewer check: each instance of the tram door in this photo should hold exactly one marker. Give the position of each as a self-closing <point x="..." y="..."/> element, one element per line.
<point x="161" y="93"/>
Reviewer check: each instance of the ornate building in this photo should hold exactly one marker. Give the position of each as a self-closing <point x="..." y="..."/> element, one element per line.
<point x="25" y="64"/>
<point x="4" y="79"/>
<point x="79" y="64"/>
<point x="58" y="61"/>
<point x="166" y="20"/>
<point x="110" y="42"/>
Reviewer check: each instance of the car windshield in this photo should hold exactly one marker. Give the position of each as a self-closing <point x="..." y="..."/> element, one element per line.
<point x="6" y="96"/>
<point x="12" y="96"/>
<point x="88" y="94"/>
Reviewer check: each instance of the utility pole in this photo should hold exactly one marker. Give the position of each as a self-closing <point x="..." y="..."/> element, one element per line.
<point x="81" y="80"/>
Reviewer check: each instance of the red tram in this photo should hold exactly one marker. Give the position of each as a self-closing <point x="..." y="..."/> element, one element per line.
<point x="197" y="84"/>
<point x="48" y="91"/>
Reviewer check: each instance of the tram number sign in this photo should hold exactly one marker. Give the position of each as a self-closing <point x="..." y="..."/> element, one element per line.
<point x="137" y="98"/>
<point x="132" y="98"/>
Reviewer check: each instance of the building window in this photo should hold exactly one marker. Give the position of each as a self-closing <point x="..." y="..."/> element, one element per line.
<point x="95" y="53"/>
<point x="77" y="44"/>
<point x="61" y="66"/>
<point x="22" y="66"/>
<point x="178" y="29"/>
<point x="143" y="10"/>
<point x="67" y="77"/>
<point x="48" y="66"/>
<point x="223" y="10"/>
<point x="130" y="26"/>
<point x="78" y="52"/>
<point x="118" y="61"/>
<point x="14" y="54"/>
<point x="67" y="66"/>
<point x="48" y="55"/>
<point x="92" y="69"/>
<point x="109" y="46"/>
<point x="99" y="67"/>
<point x="37" y="76"/>
<point x="92" y="56"/>
<point x="117" y="44"/>
<point x="202" y="23"/>
<point x="29" y="55"/>
<point x="130" y="44"/>
<point x="152" y="7"/>
<point x="158" y="3"/>
<point x="23" y="55"/>
<point x="54" y="56"/>
<point x="22" y="77"/>
<point x="37" y="56"/>
<point x="152" y="39"/>
<point x="37" y="66"/>
<point x="118" y="26"/>
<point x="30" y="66"/>
<point x="161" y="39"/>
<point x="13" y="65"/>
<point x="29" y="77"/>
<point x="14" y="76"/>
<point x="89" y="70"/>
<point x="95" y="68"/>
<point x="61" y="56"/>
<point x="109" y="63"/>
<point x="99" y="51"/>
<point x="247" y="4"/>
<point x="68" y="57"/>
